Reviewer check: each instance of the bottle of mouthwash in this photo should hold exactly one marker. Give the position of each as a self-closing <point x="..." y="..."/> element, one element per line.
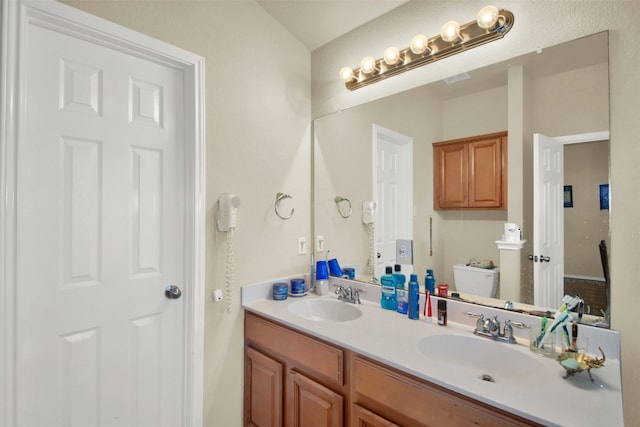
<point x="401" y="294"/>
<point x="400" y="278"/>
<point x="388" y="284"/>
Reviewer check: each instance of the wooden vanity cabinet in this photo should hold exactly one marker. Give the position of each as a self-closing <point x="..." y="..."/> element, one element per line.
<point x="291" y="379"/>
<point x="391" y="397"/>
<point x="471" y="173"/>
<point x="294" y="379"/>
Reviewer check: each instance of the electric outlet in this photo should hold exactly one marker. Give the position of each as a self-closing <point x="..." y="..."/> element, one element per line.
<point x="319" y="243"/>
<point x="302" y="245"/>
<point x="404" y="252"/>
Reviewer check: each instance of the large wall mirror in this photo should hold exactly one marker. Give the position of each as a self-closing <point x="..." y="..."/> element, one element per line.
<point x="558" y="91"/>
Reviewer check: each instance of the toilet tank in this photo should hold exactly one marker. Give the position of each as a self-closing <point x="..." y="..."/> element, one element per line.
<point x="476" y="281"/>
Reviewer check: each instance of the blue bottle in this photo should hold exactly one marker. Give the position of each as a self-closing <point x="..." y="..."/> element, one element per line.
<point x="401" y="295"/>
<point x="400" y="278"/>
<point x="401" y="298"/>
<point x="388" y="285"/>
<point x="430" y="281"/>
<point x="414" y="297"/>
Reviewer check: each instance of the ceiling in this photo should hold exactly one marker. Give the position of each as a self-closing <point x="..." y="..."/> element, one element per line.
<point x="317" y="22"/>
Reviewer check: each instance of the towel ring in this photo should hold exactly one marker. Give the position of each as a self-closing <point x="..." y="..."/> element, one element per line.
<point x="340" y="199"/>
<point x="280" y="197"/>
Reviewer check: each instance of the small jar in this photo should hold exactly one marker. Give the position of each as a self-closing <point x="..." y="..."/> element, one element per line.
<point x="297" y="287"/>
<point x="349" y="272"/>
<point x="280" y="291"/>
<point x="443" y="290"/>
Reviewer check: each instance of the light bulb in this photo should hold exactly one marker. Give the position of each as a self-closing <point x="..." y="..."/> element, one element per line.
<point x="419" y="44"/>
<point x="450" y="31"/>
<point x="487" y="17"/>
<point x="346" y="74"/>
<point x="367" y="65"/>
<point x="391" y="55"/>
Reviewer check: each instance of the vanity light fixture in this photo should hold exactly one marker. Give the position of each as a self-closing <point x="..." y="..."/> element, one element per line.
<point x="491" y="24"/>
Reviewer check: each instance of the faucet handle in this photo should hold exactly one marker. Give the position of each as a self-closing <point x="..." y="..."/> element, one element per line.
<point x="479" y="322"/>
<point x="356" y="295"/>
<point x="516" y="324"/>
<point x="508" y="330"/>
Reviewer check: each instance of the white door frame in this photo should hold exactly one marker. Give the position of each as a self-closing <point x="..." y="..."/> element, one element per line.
<point x="15" y="16"/>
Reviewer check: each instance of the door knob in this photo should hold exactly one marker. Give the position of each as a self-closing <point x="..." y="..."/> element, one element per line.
<point x="172" y="292"/>
<point x="544" y="258"/>
<point x="379" y="255"/>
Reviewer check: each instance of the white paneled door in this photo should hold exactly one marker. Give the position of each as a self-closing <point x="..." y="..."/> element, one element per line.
<point x="393" y="189"/>
<point x="548" y="217"/>
<point x="100" y="235"/>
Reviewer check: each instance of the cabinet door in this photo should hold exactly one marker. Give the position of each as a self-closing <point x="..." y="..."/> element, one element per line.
<point x="451" y="170"/>
<point x="263" y="390"/>
<point x="310" y="404"/>
<point x="486" y="173"/>
<point x="361" y="417"/>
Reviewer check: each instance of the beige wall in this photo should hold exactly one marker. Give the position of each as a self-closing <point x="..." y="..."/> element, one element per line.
<point x="344" y="145"/>
<point x="538" y="24"/>
<point x="586" y="166"/>
<point x="257" y="119"/>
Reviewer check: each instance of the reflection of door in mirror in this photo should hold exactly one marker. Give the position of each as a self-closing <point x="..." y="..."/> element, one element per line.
<point x="566" y="237"/>
<point x="548" y="222"/>
<point x="393" y="188"/>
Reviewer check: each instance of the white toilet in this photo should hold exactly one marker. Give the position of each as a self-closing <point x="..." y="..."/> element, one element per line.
<point x="476" y="281"/>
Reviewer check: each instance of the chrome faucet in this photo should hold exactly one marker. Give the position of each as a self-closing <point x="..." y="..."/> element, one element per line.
<point x="490" y="328"/>
<point x="348" y="294"/>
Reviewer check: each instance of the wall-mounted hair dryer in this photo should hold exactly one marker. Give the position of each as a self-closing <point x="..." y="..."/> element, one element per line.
<point x="368" y="212"/>
<point x="227" y="212"/>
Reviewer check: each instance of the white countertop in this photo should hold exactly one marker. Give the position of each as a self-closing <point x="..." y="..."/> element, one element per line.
<point x="393" y="339"/>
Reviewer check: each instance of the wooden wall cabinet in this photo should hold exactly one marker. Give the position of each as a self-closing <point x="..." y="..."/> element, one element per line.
<point x="471" y="173"/>
<point x="293" y="379"/>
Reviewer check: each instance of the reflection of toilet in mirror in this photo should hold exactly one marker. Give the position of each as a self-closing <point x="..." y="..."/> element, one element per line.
<point x="476" y="281"/>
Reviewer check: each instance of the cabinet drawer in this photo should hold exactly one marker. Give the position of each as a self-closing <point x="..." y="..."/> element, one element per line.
<point x="324" y="360"/>
<point x="409" y="401"/>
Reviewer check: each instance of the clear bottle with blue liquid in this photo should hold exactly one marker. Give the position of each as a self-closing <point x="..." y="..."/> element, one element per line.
<point x="388" y="284"/>
<point x="401" y="293"/>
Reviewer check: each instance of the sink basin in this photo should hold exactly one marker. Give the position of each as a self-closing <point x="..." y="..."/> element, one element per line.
<point x="485" y="359"/>
<point x="325" y="310"/>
